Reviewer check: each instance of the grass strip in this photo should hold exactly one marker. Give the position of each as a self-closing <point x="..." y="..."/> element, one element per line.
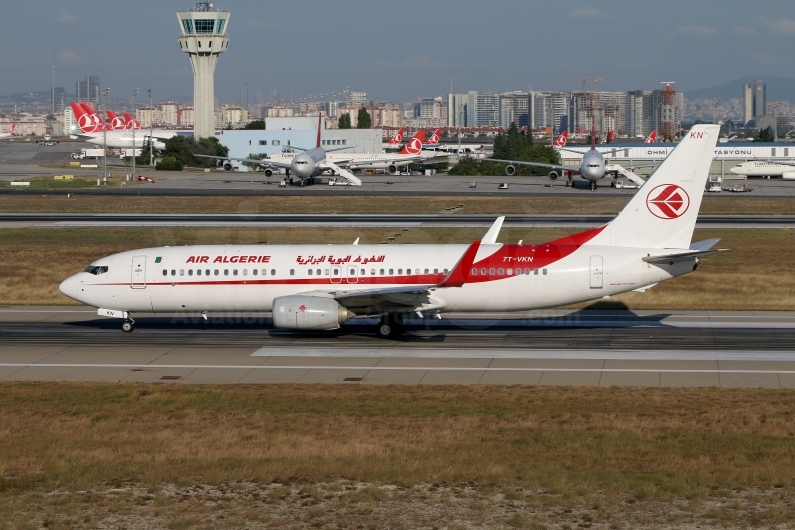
<point x="730" y="205"/>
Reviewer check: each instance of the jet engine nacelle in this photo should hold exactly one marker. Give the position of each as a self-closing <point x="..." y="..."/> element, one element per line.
<point x="392" y="169"/>
<point x="227" y="165"/>
<point x="510" y="170"/>
<point x="553" y="175"/>
<point x="308" y="312"/>
<point x="268" y="172"/>
<point x="788" y="175"/>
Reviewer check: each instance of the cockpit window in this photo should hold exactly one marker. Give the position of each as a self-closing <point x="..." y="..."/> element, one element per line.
<point x="95" y="270"/>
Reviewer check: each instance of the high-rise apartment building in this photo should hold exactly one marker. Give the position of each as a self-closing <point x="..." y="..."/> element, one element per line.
<point x="754" y="100"/>
<point x="355" y="99"/>
<point x="58" y="99"/>
<point x="514" y="107"/>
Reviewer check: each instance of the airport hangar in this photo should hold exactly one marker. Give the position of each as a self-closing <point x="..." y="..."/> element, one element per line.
<point x="727" y="154"/>
<point x="280" y="133"/>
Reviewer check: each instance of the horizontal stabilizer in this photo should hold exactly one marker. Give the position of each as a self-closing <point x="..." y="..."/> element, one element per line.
<point x="679" y="256"/>
<point x="704" y="245"/>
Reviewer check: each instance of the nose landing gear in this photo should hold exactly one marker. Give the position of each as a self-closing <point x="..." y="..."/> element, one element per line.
<point x="128" y="325"/>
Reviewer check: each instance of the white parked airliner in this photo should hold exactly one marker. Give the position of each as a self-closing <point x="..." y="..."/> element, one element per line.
<point x="758" y="168"/>
<point x="318" y="287"/>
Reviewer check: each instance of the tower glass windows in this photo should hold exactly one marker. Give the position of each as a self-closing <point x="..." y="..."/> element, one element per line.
<point x="187" y="25"/>
<point x="205" y="25"/>
<point x="221" y="26"/>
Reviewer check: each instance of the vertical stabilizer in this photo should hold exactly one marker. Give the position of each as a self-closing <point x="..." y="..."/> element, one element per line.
<point x="319" y="123"/>
<point x="663" y="213"/>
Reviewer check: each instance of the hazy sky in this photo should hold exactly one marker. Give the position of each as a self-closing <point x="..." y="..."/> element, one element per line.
<point x="401" y="49"/>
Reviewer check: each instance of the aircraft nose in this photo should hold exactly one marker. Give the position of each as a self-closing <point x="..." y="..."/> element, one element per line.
<point x="68" y="287"/>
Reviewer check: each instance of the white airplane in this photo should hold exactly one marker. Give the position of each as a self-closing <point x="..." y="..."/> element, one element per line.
<point x="341" y="162"/>
<point x="756" y="168"/>
<point x="306" y="164"/>
<point x="92" y="126"/>
<point x="8" y="132"/>
<point x="592" y="168"/>
<point x="318" y="287"/>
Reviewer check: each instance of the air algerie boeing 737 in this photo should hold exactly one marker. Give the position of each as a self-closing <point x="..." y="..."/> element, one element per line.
<point x="318" y="287"/>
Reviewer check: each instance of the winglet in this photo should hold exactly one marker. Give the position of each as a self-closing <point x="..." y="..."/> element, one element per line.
<point x="460" y="273"/>
<point x="491" y="236"/>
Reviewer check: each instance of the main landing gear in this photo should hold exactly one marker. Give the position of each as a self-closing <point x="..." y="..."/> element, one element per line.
<point x="128" y="325"/>
<point x="390" y="326"/>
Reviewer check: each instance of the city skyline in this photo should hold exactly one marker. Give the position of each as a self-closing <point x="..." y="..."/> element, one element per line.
<point x="503" y="48"/>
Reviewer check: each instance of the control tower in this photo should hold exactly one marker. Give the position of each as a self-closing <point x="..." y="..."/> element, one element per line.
<point x="203" y="38"/>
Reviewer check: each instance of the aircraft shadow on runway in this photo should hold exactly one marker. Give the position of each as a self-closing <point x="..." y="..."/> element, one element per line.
<point x="427" y="329"/>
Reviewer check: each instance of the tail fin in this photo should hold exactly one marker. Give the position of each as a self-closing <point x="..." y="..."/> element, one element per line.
<point x="319" y="123"/>
<point x="98" y="122"/>
<point x="116" y="123"/>
<point x="561" y="140"/>
<point x="130" y="122"/>
<point x="662" y="214"/>
<point x="11" y="129"/>
<point x="651" y="138"/>
<point x="84" y="121"/>
<point x="398" y="137"/>
<point x="434" y="140"/>
<point x="610" y="136"/>
<point x="593" y="134"/>
<point x="414" y="146"/>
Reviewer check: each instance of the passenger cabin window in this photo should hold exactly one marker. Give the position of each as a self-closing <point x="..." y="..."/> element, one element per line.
<point x="96" y="270"/>
<point x="273" y="272"/>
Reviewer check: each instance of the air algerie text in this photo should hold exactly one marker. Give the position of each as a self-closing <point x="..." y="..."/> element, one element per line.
<point x="229" y="259"/>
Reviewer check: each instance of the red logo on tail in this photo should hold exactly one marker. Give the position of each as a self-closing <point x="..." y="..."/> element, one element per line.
<point x="414" y="146"/>
<point x="668" y="201"/>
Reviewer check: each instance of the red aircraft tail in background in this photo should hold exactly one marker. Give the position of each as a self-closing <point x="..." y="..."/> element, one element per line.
<point x="414" y="146"/>
<point x="116" y="123"/>
<point x="84" y="120"/>
<point x="434" y="139"/>
<point x="651" y="138"/>
<point x="398" y="138"/>
<point x="562" y="139"/>
<point x="130" y="123"/>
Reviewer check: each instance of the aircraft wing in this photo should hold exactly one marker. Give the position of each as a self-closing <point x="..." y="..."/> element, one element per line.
<point x="539" y="164"/>
<point x="418" y="297"/>
<point x="264" y="161"/>
<point x="698" y="248"/>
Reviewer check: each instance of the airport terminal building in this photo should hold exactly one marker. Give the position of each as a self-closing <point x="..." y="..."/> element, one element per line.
<point x="283" y="133"/>
<point x="727" y="154"/>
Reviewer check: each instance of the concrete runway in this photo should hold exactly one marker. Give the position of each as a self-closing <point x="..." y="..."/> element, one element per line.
<point x="605" y="348"/>
<point x="447" y="220"/>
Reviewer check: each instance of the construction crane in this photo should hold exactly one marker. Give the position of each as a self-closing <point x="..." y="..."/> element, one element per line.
<point x="584" y="79"/>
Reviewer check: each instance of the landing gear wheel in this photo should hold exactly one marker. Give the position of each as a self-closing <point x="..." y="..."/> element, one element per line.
<point x="593" y="186"/>
<point x="127" y="326"/>
<point x="391" y="326"/>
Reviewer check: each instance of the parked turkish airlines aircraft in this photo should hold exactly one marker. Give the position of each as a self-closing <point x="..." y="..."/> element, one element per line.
<point x="341" y="162"/>
<point x="758" y="168"/>
<point x="91" y="127"/>
<point x="130" y="122"/>
<point x="651" y="138"/>
<point x="8" y="132"/>
<point x="561" y="140"/>
<point x="321" y="286"/>
<point x="115" y="123"/>
<point x="433" y="141"/>
<point x="396" y="140"/>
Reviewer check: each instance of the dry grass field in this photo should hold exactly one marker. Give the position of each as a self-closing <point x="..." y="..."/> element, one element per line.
<point x="50" y="202"/>
<point x="297" y="456"/>
<point x="754" y="275"/>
